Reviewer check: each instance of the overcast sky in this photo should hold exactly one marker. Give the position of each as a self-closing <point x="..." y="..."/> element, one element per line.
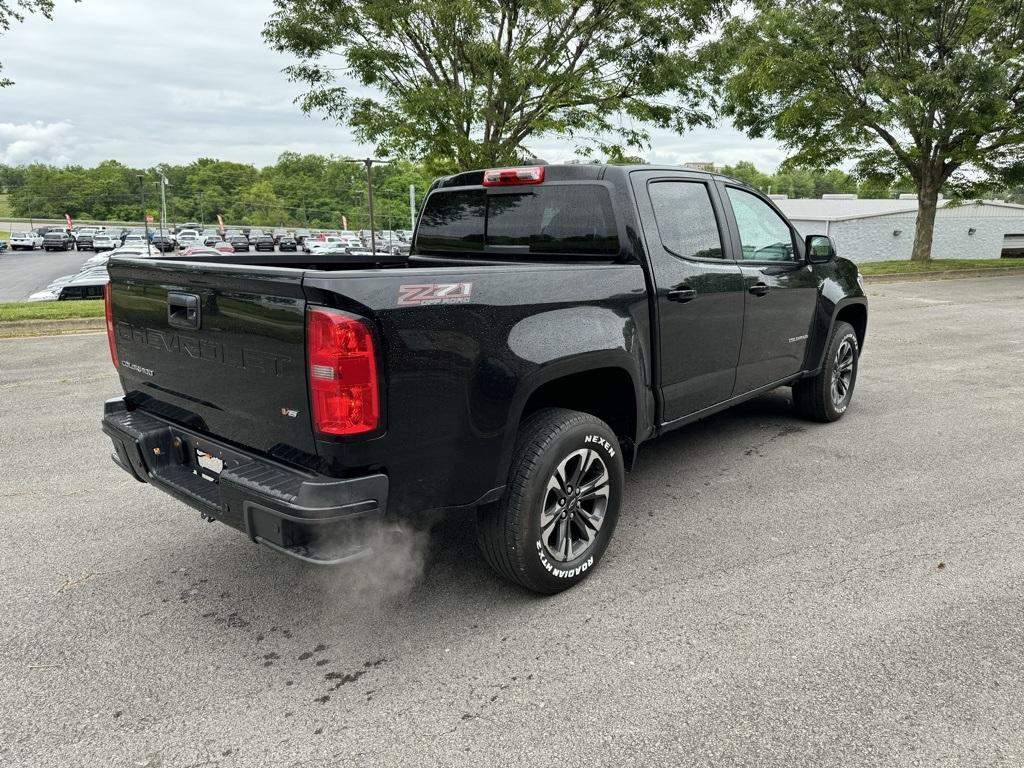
<point x="150" y="81"/>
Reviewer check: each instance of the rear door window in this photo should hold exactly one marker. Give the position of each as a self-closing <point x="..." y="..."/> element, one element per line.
<point x="686" y="219"/>
<point x="568" y="220"/>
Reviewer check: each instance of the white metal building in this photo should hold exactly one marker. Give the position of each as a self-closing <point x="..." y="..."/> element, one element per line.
<point x="881" y="230"/>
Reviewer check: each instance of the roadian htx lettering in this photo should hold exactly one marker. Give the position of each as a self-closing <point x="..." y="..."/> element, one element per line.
<point x="203" y="349"/>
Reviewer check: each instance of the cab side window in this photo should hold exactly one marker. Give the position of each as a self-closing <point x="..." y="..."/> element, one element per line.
<point x="764" y="235"/>
<point x="686" y="220"/>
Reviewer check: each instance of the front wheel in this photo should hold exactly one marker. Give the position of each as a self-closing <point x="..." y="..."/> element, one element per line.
<point x="826" y="397"/>
<point x="561" y="503"/>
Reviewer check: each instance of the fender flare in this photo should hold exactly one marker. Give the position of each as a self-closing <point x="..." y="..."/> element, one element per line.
<point x="559" y="369"/>
<point x="823" y="339"/>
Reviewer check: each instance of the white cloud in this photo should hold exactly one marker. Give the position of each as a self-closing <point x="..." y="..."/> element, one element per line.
<point x="38" y="142"/>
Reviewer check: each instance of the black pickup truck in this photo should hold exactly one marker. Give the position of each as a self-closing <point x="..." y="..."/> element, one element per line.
<point x="549" y="320"/>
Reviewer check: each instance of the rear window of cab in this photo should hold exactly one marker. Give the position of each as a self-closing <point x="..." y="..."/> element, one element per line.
<point x="553" y="220"/>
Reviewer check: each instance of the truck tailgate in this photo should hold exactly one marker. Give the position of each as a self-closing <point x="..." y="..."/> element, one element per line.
<point x="218" y="348"/>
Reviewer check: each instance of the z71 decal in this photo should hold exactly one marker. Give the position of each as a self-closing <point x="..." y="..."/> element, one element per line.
<point x="434" y="293"/>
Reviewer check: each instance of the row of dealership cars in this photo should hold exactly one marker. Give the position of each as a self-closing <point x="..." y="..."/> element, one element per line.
<point x="91" y="279"/>
<point x="101" y="238"/>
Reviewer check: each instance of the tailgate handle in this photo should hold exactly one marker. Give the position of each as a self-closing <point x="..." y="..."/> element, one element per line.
<point x="183" y="310"/>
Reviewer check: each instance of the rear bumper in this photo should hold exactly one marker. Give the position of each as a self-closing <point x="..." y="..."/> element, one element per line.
<point x="315" y="518"/>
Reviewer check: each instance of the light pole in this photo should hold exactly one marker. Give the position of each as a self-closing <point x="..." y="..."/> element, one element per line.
<point x="163" y="202"/>
<point x="142" y="196"/>
<point x="368" y="162"/>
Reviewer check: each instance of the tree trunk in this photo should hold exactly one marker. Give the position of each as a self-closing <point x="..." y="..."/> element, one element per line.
<point x="927" y="202"/>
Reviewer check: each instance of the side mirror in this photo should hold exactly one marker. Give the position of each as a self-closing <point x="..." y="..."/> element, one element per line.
<point x="820" y="248"/>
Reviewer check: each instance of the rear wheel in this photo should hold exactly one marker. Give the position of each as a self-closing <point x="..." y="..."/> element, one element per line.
<point x="827" y="396"/>
<point x="560" y="506"/>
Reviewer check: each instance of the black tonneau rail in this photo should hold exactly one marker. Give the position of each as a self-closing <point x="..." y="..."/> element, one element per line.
<point x="327" y="262"/>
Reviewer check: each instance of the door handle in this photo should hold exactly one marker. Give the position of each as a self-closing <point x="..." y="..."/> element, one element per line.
<point x="759" y="289"/>
<point x="682" y="294"/>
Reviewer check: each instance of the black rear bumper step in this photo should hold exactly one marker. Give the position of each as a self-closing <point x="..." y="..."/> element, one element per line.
<point x="310" y="517"/>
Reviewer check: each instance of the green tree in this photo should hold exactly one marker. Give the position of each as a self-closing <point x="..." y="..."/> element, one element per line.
<point x="930" y="89"/>
<point x="874" y="189"/>
<point x="834" y="182"/>
<point x="747" y="172"/>
<point x="14" y="11"/>
<point x="469" y="83"/>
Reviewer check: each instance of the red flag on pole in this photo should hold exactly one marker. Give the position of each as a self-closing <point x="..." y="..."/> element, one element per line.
<point x="68" y="220"/>
<point x="220" y="222"/>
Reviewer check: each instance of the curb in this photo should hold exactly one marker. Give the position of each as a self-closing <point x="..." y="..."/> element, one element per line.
<point x="71" y="325"/>
<point x="946" y="274"/>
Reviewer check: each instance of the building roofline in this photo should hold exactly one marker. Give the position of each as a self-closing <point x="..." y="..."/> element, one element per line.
<point x="898" y="211"/>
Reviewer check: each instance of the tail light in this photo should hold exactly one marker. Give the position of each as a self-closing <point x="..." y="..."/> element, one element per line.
<point x="342" y="373"/>
<point x="111" y="339"/>
<point x="502" y="177"/>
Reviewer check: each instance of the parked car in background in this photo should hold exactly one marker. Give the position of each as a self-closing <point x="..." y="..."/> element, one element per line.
<point x="197" y="251"/>
<point x="279" y="233"/>
<point x="288" y="243"/>
<point x="101" y="241"/>
<point x="300" y="235"/>
<point x="134" y="240"/>
<point x="265" y="243"/>
<point x="239" y="242"/>
<point x="324" y="241"/>
<point x="84" y="237"/>
<point x="81" y="283"/>
<point x="223" y="247"/>
<point x="320" y="246"/>
<point x="26" y="241"/>
<point x="89" y="284"/>
<point x="212" y="236"/>
<point x="57" y="240"/>
<point x="142" y="249"/>
<point x="163" y="243"/>
<point x="189" y="239"/>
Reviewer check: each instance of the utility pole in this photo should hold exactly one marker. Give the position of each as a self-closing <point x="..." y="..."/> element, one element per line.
<point x="368" y="162"/>
<point x="163" y="202"/>
<point x="145" y="217"/>
<point x="412" y="206"/>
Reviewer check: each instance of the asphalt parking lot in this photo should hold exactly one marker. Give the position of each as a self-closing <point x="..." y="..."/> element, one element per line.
<point x="778" y="593"/>
<point x="26" y="272"/>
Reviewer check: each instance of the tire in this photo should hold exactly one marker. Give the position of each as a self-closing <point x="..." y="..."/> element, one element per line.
<point x="826" y="397"/>
<point x="552" y="445"/>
